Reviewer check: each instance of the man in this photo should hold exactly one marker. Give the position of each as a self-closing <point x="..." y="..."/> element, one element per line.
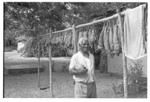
<point x="82" y="69"/>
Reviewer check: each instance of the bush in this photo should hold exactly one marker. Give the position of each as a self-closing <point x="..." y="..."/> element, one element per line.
<point x="9" y="39"/>
<point x="136" y="83"/>
<point x="135" y="78"/>
<point x="135" y="72"/>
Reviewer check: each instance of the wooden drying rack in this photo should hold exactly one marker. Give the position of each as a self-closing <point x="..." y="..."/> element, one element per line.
<point x="75" y="36"/>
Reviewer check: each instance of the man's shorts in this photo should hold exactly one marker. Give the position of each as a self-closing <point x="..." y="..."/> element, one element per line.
<point x="85" y="90"/>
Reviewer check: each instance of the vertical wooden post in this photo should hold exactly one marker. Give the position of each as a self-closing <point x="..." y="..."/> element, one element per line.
<point x="125" y="78"/>
<point x="75" y="42"/>
<point x="50" y="66"/>
<point x="39" y="64"/>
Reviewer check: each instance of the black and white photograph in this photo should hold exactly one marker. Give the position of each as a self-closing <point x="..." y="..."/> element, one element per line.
<point x="75" y="50"/>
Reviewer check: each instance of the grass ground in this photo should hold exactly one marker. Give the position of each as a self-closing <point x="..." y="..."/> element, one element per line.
<point x="24" y="84"/>
<point x="10" y="48"/>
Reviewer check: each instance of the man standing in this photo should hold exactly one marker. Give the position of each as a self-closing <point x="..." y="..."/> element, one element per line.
<point x="82" y="69"/>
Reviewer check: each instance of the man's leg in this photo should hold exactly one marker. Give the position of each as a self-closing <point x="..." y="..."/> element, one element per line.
<point x="92" y="90"/>
<point x="80" y="90"/>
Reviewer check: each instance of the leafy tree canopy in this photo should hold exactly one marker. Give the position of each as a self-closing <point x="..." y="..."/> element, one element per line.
<point x="36" y="18"/>
<point x="33" y="18"/>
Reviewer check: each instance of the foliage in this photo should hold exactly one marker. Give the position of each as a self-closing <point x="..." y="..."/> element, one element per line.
<point x="86" y="12"/>
<point x="32" y="19"/>
<point x="135" y="79"/>
<point x="9" y="39"/>
<point x="36" y="18"/>
<point x="136" y="83"/>
<point x="135" y="71"/>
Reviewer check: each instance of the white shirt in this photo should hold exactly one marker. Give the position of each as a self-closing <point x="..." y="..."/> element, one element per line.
<point x="79" y="59"/>
<point x="20" y="45"/>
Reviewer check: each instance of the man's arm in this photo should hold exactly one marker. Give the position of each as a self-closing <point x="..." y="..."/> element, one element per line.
<point x="78" y="71"/>
<point x="75" y="68"/>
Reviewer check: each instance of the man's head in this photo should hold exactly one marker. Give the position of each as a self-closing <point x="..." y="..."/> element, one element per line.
<point x="83" y="44"/>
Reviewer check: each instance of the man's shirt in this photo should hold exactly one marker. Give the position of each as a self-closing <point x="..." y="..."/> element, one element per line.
<point x="87" y="62"/>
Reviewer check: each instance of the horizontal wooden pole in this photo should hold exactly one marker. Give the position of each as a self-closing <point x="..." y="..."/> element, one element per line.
<point x="91" y="23"/>
<point x="97" y="21"/>
<point x="60" y="31"/>
<point x="103" y="19"/>
<point x="83" y="25"/>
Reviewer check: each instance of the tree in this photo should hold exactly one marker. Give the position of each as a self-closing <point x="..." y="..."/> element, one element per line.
<point x="35" y="18"/>
<point x="31" y="19"/>
<point x="79" y="13"/>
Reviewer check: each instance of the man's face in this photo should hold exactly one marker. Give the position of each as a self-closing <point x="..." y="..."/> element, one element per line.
<point x="85" y="46"/>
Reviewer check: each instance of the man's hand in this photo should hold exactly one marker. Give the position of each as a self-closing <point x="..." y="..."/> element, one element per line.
<point x="81" y="69"/>
<point x="99" y="49"/>
<point x="78" y="70"/>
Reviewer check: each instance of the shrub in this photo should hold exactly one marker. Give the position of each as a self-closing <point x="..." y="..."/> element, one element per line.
<point x="135" y="72"/>
<point x="9" y="39"/>
<point x="136" y="83"/>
